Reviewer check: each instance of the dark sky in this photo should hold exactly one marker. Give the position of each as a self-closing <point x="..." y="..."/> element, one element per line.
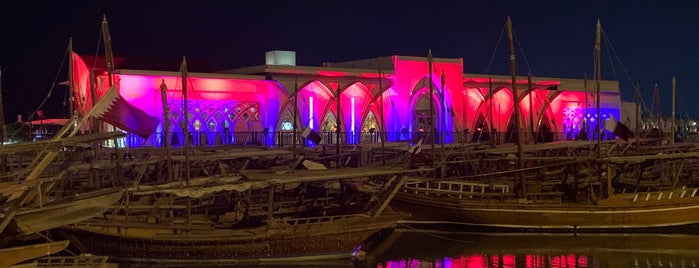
<point x="653" y="39"/>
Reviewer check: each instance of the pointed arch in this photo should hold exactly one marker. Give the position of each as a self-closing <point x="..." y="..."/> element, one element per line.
<point x="501" y="103"/>
<point x="443" y="117"/>
<point x="313" y="99"/>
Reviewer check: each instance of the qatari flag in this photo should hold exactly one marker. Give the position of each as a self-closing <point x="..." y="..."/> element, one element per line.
<point x="620" y="130"/>
<point x="114" y="109"/>
<point x="311" y="135"/>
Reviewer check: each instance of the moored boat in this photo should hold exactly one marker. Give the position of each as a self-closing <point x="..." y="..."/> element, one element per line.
<point x="262" y="216"/>
<point x="587" y="189"/>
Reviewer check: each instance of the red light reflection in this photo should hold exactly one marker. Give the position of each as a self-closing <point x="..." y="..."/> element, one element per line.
<point x="486" y="261"/>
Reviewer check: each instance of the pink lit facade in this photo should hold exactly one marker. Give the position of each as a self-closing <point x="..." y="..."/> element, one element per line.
<point x="266" y="104"/>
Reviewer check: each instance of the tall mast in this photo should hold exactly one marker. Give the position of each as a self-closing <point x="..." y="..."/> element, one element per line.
<point x="95" y="123"/>
<point x="382" y="132"/>
<point x="166" y="129"/>
<point x="296" y="114"/>
<point x="338" y="123"/>
<point x="108" y="49"/>
<point x="2" y="114"/>
<point x="491" y="124"/>
<point x="658" y="113"/>
<point x="585" y="117"/>
<point x="429" y="72"/>
<point x="444" y="111"/>
<point x="638" y="116"/>
<point x="674" y="126"/>
<point x="183" y="69"/>
<point x="513" y="71"/>
<point x="531" y="108"/>
<point x="598" y="74"/>
<point x="185" y="130"/>
<point x="71" y="98"/>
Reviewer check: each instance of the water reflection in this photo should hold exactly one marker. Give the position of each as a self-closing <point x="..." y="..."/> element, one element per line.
<point x="418" y="249"/>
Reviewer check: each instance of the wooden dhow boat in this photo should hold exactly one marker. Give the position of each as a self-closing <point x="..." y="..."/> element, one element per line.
<point x="574" y="186"/>
<point x="251" y="217"/>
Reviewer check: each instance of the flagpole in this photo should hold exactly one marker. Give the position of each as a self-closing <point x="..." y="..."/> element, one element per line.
<point x="107" y="39"/>
<point x="95" y="124"/>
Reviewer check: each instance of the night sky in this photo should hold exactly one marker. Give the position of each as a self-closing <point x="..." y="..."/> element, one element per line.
<point x="654" y="40"/>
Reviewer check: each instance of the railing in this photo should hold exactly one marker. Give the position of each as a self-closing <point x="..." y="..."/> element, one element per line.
<point x="472" y="190"/>
<point x="286" y="138"/>
<point x="657" y="196"/>
<point x="457" y="189"/>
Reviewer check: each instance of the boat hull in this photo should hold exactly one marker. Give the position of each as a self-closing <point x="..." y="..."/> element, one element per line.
<point x="322" y="240"/>
<point x="619" y="214"/>
<point x="14" y="255"/>
<point x="48" y="217"/>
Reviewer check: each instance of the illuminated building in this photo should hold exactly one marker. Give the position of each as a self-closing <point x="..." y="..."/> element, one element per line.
<point x="381" y="96"/>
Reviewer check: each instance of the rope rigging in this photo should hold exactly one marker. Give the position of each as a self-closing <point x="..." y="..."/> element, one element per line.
<point x="48" y="95"/>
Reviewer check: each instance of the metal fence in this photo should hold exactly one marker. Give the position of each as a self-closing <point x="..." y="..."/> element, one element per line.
<point x="286" y="138"/>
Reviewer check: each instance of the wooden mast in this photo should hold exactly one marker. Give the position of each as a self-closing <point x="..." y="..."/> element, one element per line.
<point x="491" y="124"/>
<point x="429" y="73"/>
<point x="658" y="113"/>
<point x="674" y="126"/>
<point x="513" y="71"/>
<point x="296" y="114"/>
<point x="598" y="74"/>
<point x="2" y="116"/>
<point x="183" y="70"/>
<point x="109" y="57"/>
<point x="338" y="123"/>
<point x="382" y="131"/>
<point x="185" y="130"/>
<point x="166" y="129"/>
<point x="638" y="117"/>
<point x="108" y="49"/>
<point x="71" y="98"/>
<point x="585" y="117"/>
<point x="444" y="111"/>
<point x="95" y="123"/>
<point x="531" y="108"/>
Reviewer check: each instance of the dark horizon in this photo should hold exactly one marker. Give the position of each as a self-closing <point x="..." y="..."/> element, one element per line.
<point x="554" y="39"/>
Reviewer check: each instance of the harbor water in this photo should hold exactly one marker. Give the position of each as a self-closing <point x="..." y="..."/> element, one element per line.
<point x="413" y="248"/>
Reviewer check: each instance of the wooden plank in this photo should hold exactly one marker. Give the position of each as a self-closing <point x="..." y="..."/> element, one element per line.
<point x="331" y="174"/>
<point x="10" y="256"/>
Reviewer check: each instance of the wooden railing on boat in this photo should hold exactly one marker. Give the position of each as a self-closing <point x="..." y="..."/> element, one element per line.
<point x="75" y="261"/>
<point x="458" y="189"/>
<point x="662" y="195"/>
<point x="473" y="190"/>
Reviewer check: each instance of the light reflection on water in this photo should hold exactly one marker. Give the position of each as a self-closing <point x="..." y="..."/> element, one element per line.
<point x="420" y="249"/>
